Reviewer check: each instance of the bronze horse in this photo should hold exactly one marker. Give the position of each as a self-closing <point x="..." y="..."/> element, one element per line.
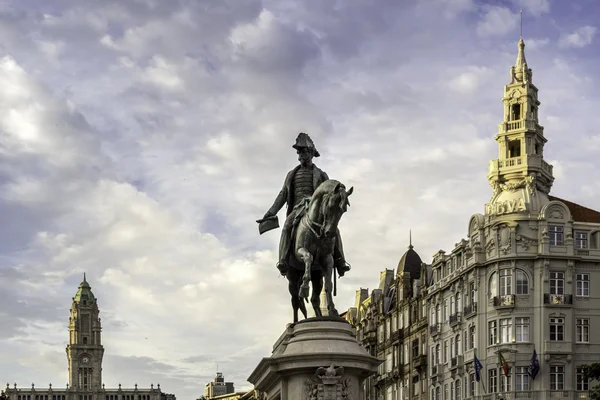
<point x="314" y="239"/>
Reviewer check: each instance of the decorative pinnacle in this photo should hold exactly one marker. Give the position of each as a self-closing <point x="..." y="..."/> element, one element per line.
<point x="410" y="246"/>
<point x="521" y="23"/>
<point x="521" y="55"/>
<point x="84" y="277"/>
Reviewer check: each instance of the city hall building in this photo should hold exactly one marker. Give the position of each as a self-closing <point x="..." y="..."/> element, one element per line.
<point x="519" y="284"/>
<point x="84" y="356"/>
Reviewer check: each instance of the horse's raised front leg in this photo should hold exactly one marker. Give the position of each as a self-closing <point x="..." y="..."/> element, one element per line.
<point x="307" y="258"/>
<point x="329" y="287"/>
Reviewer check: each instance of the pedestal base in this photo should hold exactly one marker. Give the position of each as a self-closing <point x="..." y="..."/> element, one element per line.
<point x="315" y="359"/>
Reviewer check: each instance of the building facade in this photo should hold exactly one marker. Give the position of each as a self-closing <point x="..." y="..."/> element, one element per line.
<point x="392" y="325"/>
<point x="519" y="285"/>
<point x="218" y="387"/>
<point x="84" y="358"/>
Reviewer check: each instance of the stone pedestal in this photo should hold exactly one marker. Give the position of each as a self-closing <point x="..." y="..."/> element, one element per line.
<point x="315" y="359"/>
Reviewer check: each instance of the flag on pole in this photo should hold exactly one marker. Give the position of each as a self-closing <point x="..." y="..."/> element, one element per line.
<point x="478" y="368"/>
<point x="534" y="366"/>
<point x="503" y="363"/>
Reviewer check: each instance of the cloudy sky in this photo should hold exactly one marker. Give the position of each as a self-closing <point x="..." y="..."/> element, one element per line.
<point x="140" y="140"/>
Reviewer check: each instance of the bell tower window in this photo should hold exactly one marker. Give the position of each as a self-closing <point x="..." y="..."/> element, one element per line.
<point x="514" y="148"/>
<point x="515" y="112"/>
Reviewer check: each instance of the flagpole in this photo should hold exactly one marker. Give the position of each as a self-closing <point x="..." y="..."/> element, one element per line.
<point x="480" y="377"/>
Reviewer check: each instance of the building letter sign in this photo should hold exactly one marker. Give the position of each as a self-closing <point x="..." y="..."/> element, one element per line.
<point x="505" y="207"/>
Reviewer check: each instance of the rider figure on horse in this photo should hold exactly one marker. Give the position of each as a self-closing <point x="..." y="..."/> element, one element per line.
<point x="300" y="183"/>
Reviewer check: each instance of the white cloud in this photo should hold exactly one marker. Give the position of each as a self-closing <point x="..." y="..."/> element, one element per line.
<point x="497" y="21"/>
<point x="536" y="44"/>
<point x="582" y="37"/>
<point x="534" y="7"/>
<point x="471" y="80"/>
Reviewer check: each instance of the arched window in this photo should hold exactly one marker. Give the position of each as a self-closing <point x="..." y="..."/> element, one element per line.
<point x="452" y="305"/>
<point x="458" y="303"/>
<point x="457" y="391"/>
<point x="493" y="286"/>
<point x="522" y="282"/>
<point x="437" y="393"/>
<point x="438" y="312"/>
<point x="437" y="354"/>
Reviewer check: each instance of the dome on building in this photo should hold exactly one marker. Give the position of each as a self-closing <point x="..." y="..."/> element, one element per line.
<point x="410" y="262"/>
<point x="84" y="292"/>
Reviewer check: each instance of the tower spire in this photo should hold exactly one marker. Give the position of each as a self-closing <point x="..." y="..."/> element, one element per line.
<point x="521" y="24"/>
<point x="410" y="246"/>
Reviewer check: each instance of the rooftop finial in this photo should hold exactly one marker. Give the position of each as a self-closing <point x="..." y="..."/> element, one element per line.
<point x="410" y="246"/>
<point x="521" y="24"/>
<point x="84" y="277"/>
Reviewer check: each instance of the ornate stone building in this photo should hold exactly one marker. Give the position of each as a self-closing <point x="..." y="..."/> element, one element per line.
<point x="392" y="324"/>
<point x="84" y="357"/>
<point x="522" y="281"/>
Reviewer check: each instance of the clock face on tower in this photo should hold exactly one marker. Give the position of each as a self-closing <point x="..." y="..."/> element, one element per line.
<point x="85" y="360"/>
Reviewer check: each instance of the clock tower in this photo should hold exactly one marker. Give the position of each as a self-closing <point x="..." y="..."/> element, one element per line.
<point x="85" y="351"/>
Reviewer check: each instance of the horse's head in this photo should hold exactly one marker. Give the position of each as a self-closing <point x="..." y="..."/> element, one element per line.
<point x="334" y="204"/>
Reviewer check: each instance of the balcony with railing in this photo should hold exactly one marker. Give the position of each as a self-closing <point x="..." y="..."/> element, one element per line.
<point x="506" y="301"/>
<point x="470" y="310"/>
<point x="420" y="362"/>
<point x="455" y="319"/>
<point x="528" y="160"/>
<point x="456" y="363"/>
<point x="397" y="335"/>
<point x="434" y="329"/>
<point x="558" y="299"/>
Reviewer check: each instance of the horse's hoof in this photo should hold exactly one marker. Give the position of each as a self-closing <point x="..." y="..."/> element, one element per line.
<point x="304" y="291"/>
<point x="333" y="313"/>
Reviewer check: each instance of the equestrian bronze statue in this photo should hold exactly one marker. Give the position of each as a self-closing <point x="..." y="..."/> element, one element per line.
<point x="298" y="188"/>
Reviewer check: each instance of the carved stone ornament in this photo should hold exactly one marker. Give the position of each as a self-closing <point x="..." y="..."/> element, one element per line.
<point x="527" y="182"/>
<point x="327" y="384"/>
<point x="489" y="246"/>
<point x="526" y="242"/>
<point x="570" y="270"/>
<point x="555" y="213"/>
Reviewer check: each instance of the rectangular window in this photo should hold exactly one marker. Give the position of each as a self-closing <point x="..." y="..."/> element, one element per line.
<point x="445" y="351"/>
<point x="415" y="348"/>
<point x="505" y="282"/>
<point x="581" y="240"/>
<point x="557" y="283"/>
<point x="583" y="285"/>
<point x="472" y="382"/>
<point x="446" y="391"/>
<point x="522" y="329"/>
<point x="472" y="337"/>
<point x="446" y="315"/>
<point x="582" y="384"/>
<point x="583" y="330"/>
<point x="557" y="377"/>
<point x="557" y="329"/>
<point x="472" y="293"/>
<point x="556" y="233"/>
<point x="505" y="382"/>
<point x="522" y="379"/>
<point x="493" y="380"/>
<point x="506" y="330"/>
<point x="493" y="330"/>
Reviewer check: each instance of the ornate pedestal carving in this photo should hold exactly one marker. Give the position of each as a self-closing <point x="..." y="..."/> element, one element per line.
<point x="315" y="359"/>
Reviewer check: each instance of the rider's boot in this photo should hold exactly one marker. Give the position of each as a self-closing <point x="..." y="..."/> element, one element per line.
<point x="284" y="246"/>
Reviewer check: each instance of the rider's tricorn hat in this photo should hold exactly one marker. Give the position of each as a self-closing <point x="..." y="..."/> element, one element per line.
<point x="303" y="140"/>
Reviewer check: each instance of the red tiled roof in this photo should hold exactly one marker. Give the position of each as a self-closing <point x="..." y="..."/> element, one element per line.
<point x="578" y="212"/>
